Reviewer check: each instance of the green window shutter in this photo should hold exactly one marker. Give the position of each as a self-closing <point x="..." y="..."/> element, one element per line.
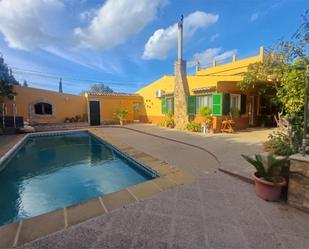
<point x="243" y="103"/>
<point x="173" y="105"/>
<point x="163" y="105"/>
<point x="191" y="105"/>
<point x="226" y="103"/>
<point x="217" y="104"/>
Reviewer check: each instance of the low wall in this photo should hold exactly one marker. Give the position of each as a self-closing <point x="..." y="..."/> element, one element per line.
<point x="298" y="192"/>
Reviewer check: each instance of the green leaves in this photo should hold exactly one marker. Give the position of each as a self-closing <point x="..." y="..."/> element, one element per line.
<point x="269" y="169"/>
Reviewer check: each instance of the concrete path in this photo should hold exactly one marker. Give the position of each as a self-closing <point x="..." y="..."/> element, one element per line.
<point x="8" y="141"/>
<point x="226" y="147"/>
<point x="215" y="211"/>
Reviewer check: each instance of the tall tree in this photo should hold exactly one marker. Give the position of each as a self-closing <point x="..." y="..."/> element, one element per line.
<point x="283" y="72"/>
<point x="98" y="88"/>
<point x="7" y="81"/>
<point x="6" y="73"/>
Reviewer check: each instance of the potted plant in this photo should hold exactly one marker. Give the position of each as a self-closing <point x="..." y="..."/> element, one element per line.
<point x="268" y="176"/>
<point x="206" y="114"/>
<point x="121" y="114"/>
<point x="169" y="120"/>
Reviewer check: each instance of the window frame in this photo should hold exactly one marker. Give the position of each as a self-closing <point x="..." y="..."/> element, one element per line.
<point x="196" y="102"/>
<point x="238" y="103"/>
<point x="33" y="113"/>
<point x="169" y="99"/>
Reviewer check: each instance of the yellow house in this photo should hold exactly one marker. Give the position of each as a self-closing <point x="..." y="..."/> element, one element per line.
<point x="215" y="87"/>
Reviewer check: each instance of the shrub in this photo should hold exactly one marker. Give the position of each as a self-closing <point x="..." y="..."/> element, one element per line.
<point x="78" y="118"/>
<point x="168" y="121"/>
<point x="121" y="114"/>
<point x="235" y="112"/>
<point x="193" y="126"/>
<point x="205" y="112"/>
<point x="278" y="144"/>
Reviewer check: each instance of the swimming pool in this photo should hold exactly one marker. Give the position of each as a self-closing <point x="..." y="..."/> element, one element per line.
<point x="56" y="170"/>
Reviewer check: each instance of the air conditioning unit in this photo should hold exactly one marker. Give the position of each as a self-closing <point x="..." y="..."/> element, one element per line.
<point x="159" y="93"/>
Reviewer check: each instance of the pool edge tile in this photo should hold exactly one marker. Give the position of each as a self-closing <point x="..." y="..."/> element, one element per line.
<point x="144" y="190"/>
<point x="164" y="183"/>
<point x="117" y="199"/>
<point x="84" y="211"/>
<point x="40" y="226"/>
<point x="8" y="234"/>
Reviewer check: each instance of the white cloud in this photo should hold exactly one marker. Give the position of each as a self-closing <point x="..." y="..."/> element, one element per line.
<point x="163" y="40"/>
<point x="27" y="24"/>
<point x="116" y="21"/>
<point x="254" y="16"/>
<point x="214" y="37"/>
<point x="210" y="54"/>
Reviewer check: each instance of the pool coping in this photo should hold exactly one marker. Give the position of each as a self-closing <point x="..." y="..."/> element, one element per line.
<point x="23" y="231"/>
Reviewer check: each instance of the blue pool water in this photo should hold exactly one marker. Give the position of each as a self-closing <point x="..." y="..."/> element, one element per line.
<point x="50" y="172"/>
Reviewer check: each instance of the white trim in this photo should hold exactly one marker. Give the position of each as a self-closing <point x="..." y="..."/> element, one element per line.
<point x="239" y="100"/>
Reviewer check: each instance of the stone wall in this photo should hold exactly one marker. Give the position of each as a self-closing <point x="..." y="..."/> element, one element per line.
<point x="181" y="93"/>
<point x="298" y="192"/>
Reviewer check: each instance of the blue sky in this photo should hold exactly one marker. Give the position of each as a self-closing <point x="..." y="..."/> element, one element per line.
<point x="127" y="44"/>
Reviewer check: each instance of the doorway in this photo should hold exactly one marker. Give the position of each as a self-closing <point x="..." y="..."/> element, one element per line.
<point x="94" y="109"/>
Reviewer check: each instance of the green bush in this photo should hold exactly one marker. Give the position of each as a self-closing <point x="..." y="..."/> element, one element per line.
<point x="235" y="112"/>
<point x="193" y="126"/>
<point x="168" y="121"/>
<point x="205" y="112"/>
<point x="278" y="144"/>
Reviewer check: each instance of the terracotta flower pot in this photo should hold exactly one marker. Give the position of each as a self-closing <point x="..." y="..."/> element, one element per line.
<point x="268" y="191"/>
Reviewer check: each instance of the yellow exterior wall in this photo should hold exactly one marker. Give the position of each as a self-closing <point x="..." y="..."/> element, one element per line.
<point x="109" y="104"/>
<point x="223" y="77"/>
<point x="233" y="68"/>
<point x="66" y="105"/>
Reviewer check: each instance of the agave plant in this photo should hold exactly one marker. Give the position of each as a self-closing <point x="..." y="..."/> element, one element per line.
<point x="269" y="169"/>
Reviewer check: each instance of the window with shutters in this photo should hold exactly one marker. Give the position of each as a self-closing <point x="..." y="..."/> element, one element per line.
<point x="170" y="105"/>
<point x="235" y="101"/>
<point x="202" y="101"/>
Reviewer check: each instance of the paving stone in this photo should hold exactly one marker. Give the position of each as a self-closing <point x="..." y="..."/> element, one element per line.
<point x="144" y="190"/>
<point x="117" y="199"/>
<point x="161" y="206"/>
<point x="295" y="242"/>
<point x="149" y="244"/>
<point x="225" y="236"/>
<point x="189" y="233"/>
<point x="7" y="235"/>
<point x="247" y="216"/>
<point x="74" y="237"/>
<point x="124" y="222"/>
<point x="113" y="241"/>
<point x="164" y="183"/>
<point x="157" y="227"/>
<point x="192" y="194"/>
<point x="40" y="226"/>
<point x="84" y="211"/>
<point x="188" y="208"/>
<point x="258" y="237"/>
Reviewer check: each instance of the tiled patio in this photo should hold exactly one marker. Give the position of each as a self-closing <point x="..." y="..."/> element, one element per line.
<point x="214" y="211"/>
<point x="217" y="211"/>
